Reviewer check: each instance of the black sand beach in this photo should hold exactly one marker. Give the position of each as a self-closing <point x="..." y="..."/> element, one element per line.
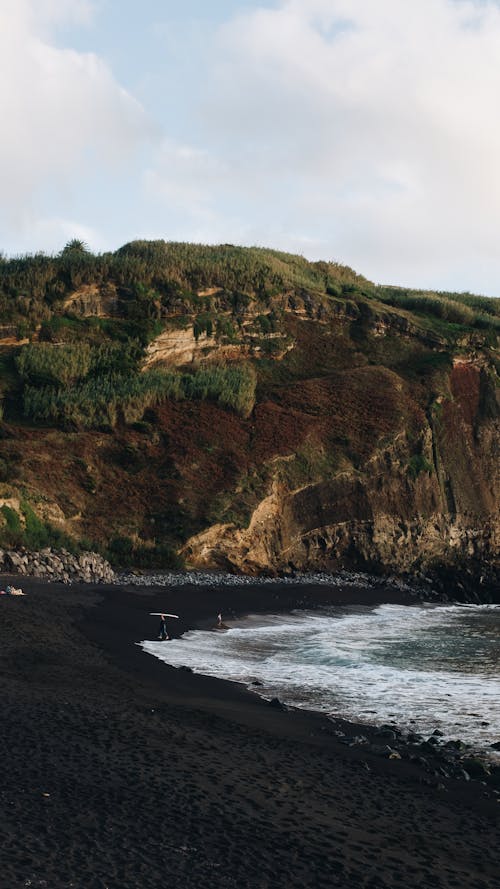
<point x="118" y="771"/>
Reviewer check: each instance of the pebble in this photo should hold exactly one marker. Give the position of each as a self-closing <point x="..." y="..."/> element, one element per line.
<point x="215" y="579"/>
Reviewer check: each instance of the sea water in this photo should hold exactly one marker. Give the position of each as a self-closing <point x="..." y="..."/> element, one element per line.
<point x="422" y="667"/>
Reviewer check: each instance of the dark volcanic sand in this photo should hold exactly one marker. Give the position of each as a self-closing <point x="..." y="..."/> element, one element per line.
<point x="118" y="771"/>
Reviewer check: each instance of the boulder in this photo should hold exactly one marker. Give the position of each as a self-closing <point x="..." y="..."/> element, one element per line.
<point x="59" y="566"/>
<point x="476" y="768"/>
<point x="276" y="704"/>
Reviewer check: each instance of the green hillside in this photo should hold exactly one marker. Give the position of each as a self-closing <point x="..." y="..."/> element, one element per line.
<point x="154" y="392"/>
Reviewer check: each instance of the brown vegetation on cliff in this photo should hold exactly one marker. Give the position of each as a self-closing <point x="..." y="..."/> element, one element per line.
<point x="371" y="439"/>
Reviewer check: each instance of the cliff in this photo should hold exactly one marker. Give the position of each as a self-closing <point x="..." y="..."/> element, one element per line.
<point x="300" y="418"/>
<point x="427" y="497"/>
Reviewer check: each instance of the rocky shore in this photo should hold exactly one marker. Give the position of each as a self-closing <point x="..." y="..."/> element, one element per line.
<point x="440" y="585"/>
<point x="464" y="584"/>
<point x="224" y="578"/>
<point x="57" y="565"/>
<point x="452" y="759"/>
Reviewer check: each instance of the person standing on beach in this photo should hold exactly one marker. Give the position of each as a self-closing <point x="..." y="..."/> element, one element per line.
<point x="163" y="629"/>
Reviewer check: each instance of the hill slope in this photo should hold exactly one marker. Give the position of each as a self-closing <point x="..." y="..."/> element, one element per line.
<point x="245" y="408"/>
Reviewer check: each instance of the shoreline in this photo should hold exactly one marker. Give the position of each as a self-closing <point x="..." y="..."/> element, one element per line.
<point x="403" y="735"/>
<point x="257" y="795"/>
<point x="370" y="737"/>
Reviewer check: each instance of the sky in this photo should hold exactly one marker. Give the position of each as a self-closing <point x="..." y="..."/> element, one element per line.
<point x="346" y="130"/>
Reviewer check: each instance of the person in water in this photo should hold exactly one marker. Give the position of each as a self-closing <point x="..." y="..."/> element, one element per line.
<point x="163" y="629"/>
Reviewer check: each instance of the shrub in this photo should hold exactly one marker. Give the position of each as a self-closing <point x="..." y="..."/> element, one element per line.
<point x="456" y="308"/>
<point x="265" y="323"/>
<point x="104" y="401"/>
<point x="36" y="533"/>
<point x="9" y="470"/>
<point x="120" y="551"/>
<point x="57" y="365"/>
<point x="159" y="556"/>
<point x="12" y="520"/>
<point x="232" y="387"/>
<point x="225" y="328"/>
<point x="203" y="324"/>
<point x="417" y="464"/>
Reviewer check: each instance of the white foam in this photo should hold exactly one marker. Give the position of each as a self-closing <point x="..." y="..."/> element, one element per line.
<point x="420" y="667"/>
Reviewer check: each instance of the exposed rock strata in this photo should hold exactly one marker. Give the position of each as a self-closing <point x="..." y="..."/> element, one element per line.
<point x="90" y="300"/>
<point x="178" y="347"/>
<point x="382" y="515"/>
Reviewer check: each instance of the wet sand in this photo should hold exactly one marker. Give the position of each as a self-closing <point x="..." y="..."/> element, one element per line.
<point x="119" y="771"/>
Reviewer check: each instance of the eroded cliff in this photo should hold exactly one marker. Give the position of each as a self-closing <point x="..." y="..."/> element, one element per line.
<point x="371" y="439"/>
<point x="428" y="497"/>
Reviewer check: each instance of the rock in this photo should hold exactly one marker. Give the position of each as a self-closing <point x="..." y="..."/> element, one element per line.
<point x="276" y="704"/>
<point x="427" y="747"/>
<point x="419" y="760"/>
<point x="60" y="566"/>
<point x="495" y="776"/>
<point x="386" y="733"/>
<point x="390" y="728"/>
<point x="476" y="767"/>
<point x="13" y="560"/>
<point x="358" y="739"/>
<point x="495" y="745"/>
<point x="384" y="750"/>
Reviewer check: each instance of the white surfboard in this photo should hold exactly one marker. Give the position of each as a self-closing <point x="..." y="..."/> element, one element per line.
<point x="163" y="613"/>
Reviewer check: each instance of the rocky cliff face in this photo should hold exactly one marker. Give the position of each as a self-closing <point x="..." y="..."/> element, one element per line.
<point x="373" y="441"/>
<point x="92" y="301"/>
<point x="178" y="348"/>
<point x="429" y="498"/>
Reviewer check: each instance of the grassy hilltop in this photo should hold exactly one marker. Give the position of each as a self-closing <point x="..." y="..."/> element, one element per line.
<point x="239" y="406"/>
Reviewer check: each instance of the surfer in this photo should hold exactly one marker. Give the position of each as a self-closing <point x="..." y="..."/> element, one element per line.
<point x="219" y="620"/>
<point x="163" y="629"/>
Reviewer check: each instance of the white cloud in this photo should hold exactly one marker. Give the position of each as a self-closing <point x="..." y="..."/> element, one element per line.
<point x="45" y="232"/>
<point x="184" y="177"/>
<point x="368" y="128"/>
<point x="348" y="129"/>
<point x="64" y="115"/>
<point x="49" y="12"/>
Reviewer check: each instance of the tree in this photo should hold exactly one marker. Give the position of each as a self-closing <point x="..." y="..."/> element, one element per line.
<point x="75" y="246"/>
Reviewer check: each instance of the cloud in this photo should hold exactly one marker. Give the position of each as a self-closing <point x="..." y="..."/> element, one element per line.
<point x="184" y="177"/>
<point x="48" y="12"/>
<point x="47" y="231"/>
<point x="64" y="115"/>
<point x="347" y="129"/>
<point x="369" y="129"/>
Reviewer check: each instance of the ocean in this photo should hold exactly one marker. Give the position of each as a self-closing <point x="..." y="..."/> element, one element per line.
<point x="421" y="667"/>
